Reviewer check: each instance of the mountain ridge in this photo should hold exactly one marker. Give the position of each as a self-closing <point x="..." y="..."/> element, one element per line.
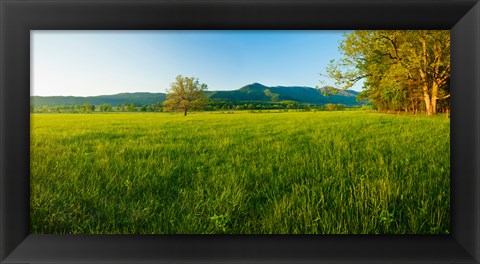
<point x="255" y="92"/>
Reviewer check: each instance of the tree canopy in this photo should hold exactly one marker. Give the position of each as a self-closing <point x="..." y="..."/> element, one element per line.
<point x="402" y="69"/>
<point x="186" y="94"/>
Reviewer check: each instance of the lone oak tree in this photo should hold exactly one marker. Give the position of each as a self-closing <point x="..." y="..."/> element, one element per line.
<point x="185" y="94"/>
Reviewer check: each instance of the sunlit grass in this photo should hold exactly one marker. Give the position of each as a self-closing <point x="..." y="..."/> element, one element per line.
<point x="262" y="173"/>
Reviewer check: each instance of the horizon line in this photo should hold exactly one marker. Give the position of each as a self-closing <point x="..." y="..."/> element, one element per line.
<point x="160" y="92"/>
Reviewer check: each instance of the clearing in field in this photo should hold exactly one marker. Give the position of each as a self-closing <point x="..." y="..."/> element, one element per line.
<point x="349" y="172"/>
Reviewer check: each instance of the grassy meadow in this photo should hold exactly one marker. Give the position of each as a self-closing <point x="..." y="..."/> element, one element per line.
<point x="349" y="172"/>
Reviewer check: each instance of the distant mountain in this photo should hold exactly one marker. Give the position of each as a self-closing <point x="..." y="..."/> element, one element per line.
<point x="114" y="100"/>
<point x="301" y="94"/>
<point x="255" y="92"/>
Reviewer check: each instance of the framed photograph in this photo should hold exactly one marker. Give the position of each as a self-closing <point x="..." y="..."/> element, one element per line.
<point x="239" y="131"/>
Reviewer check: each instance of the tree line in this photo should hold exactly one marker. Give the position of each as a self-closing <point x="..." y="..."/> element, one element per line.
<point x="213" y="105"/>
<point x="403" y="70"/>
<point x="188" y="94"/>
<point x="89" y="108"/>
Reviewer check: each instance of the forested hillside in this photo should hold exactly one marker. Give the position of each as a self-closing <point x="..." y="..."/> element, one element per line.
<point x="250" y="93"/>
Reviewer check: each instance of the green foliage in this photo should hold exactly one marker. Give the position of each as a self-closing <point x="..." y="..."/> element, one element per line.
<point x="403" y="69"/>
<point x="334" y="107"/>
<point x="44" y="109"/>
<point x="185" y="94"/>
<point x="274" y="97"/>
<point x="87" y="108"/>
<point x="368" y="107"/>
<point x="303" y="95"/>
<point x="106" y="108"/>
<point x="351" y="172"/>
<point x="114" y="100"/>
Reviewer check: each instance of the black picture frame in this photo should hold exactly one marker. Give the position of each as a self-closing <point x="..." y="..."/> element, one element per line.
<point x="18" y="17"/>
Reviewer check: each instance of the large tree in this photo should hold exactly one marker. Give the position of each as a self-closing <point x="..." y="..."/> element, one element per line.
<point x="399" y="67"/>
<point x="185" y="94"/>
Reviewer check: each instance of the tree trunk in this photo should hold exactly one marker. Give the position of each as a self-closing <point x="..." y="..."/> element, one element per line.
<point x="185" y="113"/>
<point x="434" y="106"/>
<point x="428" y="101"/>
<point x="434" y="97"/>
<point x="428" y="105"/>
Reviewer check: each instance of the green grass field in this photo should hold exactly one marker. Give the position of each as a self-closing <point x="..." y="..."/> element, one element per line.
<point x="346" y="172"/>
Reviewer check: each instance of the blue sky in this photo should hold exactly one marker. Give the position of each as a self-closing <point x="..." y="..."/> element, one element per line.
<point x="88" y="63"/>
